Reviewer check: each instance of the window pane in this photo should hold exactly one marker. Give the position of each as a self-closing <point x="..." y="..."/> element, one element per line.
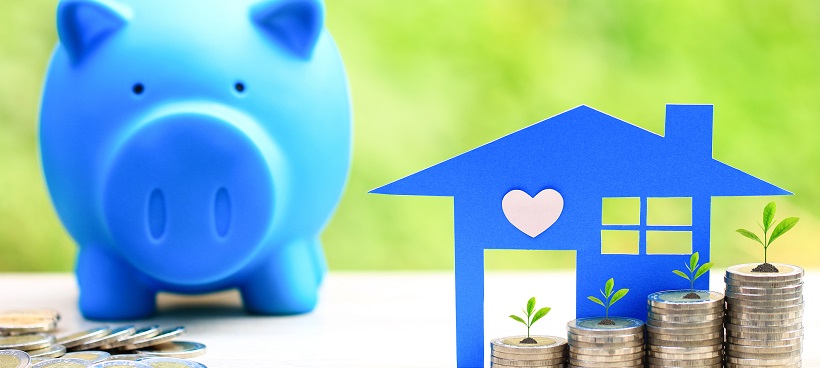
<point x="621" y="211"/>
<point x="669" y="211"/>
<point x="619" y="241"/>
<point x="668" y="242"/>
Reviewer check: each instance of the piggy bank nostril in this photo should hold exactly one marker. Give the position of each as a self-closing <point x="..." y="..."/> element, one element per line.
<point x="222" y="212"/>
<point x="156" y="214"/>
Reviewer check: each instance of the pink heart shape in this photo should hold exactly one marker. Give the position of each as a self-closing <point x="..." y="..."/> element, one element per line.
<point x="532" y="215"/>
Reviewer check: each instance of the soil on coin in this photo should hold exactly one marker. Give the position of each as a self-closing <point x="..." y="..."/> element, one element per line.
<point x="691" y="295"/>
<point x="528" y="340"/>
<point x="765" y="267"/>
<point x="607" y="322"/>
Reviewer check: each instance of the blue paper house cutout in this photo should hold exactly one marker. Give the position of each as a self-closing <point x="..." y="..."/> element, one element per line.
<point x="586" y="156"/>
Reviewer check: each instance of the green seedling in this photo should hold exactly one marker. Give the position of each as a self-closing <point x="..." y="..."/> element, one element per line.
<point x="768" y="221"/>
<point x="531" y="318"/>
<point x="609" y="299"/>
<point x="694" y="270"/>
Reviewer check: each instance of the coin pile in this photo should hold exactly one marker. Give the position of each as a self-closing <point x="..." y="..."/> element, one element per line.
<point x="619" y="344"/>
<point x="31" y="332"/>
<point x="764" y="315"/>
<point x="685" y="329"/>
<point x="548" y="351"/>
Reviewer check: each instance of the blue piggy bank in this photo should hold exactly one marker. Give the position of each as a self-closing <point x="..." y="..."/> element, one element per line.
<point x="195" y="146"/>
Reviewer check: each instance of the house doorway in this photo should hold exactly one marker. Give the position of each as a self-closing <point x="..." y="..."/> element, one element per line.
<point x="511" y="277"/>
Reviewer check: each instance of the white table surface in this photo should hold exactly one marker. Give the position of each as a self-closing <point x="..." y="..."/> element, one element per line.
<point x="364" y="320"/>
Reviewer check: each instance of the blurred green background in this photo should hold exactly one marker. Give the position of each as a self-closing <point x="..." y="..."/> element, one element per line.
<point x="432" y="79"/>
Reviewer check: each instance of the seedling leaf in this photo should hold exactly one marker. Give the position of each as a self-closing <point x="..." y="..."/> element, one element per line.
<point x="596" y="300"/>
<point x="530" y="306"/>
<point x="540" y="313"/>
<point x="703" y="269"/>
<point x="517" y="318"/>
<point x="781" y="228"/>
<point x="749" y="235"/>
<point x="618" y="295"/>
<point x="681" y="274"/>
<point x="693" y="261"/>
<point x="608" y="287"/>
<point x="768" y="216"/>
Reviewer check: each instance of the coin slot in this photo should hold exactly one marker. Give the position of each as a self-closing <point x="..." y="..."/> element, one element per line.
<point x="222" y="212"/>
<point x="156" y="214"/>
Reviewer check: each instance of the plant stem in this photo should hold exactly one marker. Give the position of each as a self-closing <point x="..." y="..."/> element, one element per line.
<point x="765" y="246"/>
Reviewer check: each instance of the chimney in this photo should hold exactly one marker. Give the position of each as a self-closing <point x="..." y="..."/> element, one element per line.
<point x="689" y="129"/>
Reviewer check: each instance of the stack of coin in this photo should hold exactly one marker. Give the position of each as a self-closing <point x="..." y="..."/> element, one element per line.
<point x="31" y="332"/>
<point x="617" y="343"/>
<point x="764" y="315"/>
<point x="685" y="328"/>
<point x="548" y="351"/>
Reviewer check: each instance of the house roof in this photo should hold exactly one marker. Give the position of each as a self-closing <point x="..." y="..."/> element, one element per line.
<point x="586" y="148"/>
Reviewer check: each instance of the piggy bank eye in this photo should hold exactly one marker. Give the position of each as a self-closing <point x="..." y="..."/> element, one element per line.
<point x="138" y="88"/>
<point x="239" y="87"/>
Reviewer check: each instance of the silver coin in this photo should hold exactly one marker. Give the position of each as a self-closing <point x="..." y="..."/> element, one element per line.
<point x="742" y="298"/>
<point x="128" y="357"/>
<point x="512" y="356"/>
<point x="681" y="312"/>
<point x="526" y="363"/>
<point x="765" y="336"/>
<point x="61" y="363"/>
<point x="684" y="325"/>
<point x="751" y="290"/>
<point x="175" y="349"/>
<point x="761" y="350"/>
<point x="544" y="345"/>
<point x="699" y="363"/>
<point x="743" y="272"/>
<point x="605" y="345"/>
<point x="164" y="336"/>
<point x="685" y="318"/>
<point x="717" y="334"/>
<point x="683" y="330"/>
<point x="760" y="284"/>
<point x="72" y="340"/>
<point x="762" y="323"/>
<point x="42" y="312"/>
<point x="53" y="351"/>
<point x="684" y="350"/>
<point x="770" y="359"/>
<point x="140" y="334"/>
<point x="607" y="351"/>
<point x="785" y="341"/>
<point x="14" y="359"/>
<point x="764" y="329"/>
<point x="593" y="326"/>
<point x="585" y="363"/>
<point x="88" y="356"/>
<point x="32" y="341"/>
<point x="119" y="364"/>
<point x="746" y="365"/>
<point x="172" y="363"/>
<point x="604" y="339"/>
<point x="765" y="316"/>
<point x="701" y="356"/>
<point x="606" y="358"/>
<point x="113" y="336"/>
<point x="686" y="344"/>
<point x="675" y="299"/>
<point x="17" y="324"/>
<point x="744" y="309"/>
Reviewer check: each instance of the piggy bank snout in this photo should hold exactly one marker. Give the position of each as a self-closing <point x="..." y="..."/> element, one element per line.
<point x="188" y="198"/>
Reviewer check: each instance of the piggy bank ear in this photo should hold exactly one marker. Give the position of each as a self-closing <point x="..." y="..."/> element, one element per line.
<point x="83" y="25"/>
<point x="293" y="24"/>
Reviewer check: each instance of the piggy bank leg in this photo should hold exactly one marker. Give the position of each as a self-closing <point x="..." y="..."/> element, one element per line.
<point x="286" y="284"/>
<point x="110" y="288"/>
